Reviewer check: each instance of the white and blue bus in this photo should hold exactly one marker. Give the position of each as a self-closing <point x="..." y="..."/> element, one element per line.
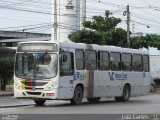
<point x="73" y="71"/>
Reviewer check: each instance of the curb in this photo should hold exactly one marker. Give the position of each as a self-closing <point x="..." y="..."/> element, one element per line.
<point x="11" y="106"/>
<point x="4" y="95"/>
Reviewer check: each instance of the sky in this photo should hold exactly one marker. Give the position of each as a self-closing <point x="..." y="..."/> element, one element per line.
<point x="35" y="15"/>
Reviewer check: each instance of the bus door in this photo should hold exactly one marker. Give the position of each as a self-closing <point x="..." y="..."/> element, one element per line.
<point x="66" y="68"/>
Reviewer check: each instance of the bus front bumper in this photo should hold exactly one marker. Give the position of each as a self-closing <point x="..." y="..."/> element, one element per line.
<point x="36" y="94"/>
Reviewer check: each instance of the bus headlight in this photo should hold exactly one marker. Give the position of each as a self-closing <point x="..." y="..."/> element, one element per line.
<point x="17" y="85"/>
<point x="49" y="87"/>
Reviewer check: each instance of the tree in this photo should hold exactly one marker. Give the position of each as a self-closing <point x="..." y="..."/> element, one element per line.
<point x="101" y="30"/>
<point x="145" y="41"/>
<point x="6" y="70"/>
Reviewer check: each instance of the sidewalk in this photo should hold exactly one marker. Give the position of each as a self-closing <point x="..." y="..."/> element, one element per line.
<point x="7" y="99"/>
<point x="8" y="92"/>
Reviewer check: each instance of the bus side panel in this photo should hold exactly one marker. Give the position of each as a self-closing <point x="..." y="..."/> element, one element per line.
<point x="137" y="83"/>
<point x="108" y="84"/>
<point x="66" y="87"/>
<point x="147" y="81"/>
<point x="102" y="84"/>
<point x="115" y="83"/>
<point x="91" y="84"/>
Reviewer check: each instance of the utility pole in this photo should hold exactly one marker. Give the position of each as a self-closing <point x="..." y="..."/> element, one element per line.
<point x="133" y="27"/>
<point x="128" y="26"/>
<point x="83" y="12"/>
<point x="55" y="20"/>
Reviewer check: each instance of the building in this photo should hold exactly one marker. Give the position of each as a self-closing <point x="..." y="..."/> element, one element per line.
<point x="11" y="38"/>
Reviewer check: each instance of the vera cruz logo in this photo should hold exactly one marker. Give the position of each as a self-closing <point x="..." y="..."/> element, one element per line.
<point x="111" y="74"/>
<point x="117" y="76"/>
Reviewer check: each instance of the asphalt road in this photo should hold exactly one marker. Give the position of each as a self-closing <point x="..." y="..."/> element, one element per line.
<point x="147" y="107"/>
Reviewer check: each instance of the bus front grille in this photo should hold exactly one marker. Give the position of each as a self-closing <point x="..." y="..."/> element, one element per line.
<point x="41" y="83"/>
<point x="40" y="89"/>
<point x="34" y="93"/>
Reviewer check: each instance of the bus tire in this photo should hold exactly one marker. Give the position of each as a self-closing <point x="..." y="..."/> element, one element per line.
<point x="78" y="96"/>
<point x="125" y="96"/>
<point x="39" y="102"/>
<point x="93" y="100"/>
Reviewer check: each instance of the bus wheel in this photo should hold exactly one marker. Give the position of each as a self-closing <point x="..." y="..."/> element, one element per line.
<point x="93" y="100"/>
<point x="78" y="95"/>
<point x="39" y="102"/>
<point x="126" y="95"/>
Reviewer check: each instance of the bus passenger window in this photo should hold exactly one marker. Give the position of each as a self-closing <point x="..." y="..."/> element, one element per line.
<point x="66" y="63"/>
<point x="137" y="62"/>
<point x="146" y="63"/>
<point x="127" y="62"/>
<point x="103" y="58"/>
<point x="90" y="60"/>
<point x="115" y="63"/>
<point x="79" y="54"/>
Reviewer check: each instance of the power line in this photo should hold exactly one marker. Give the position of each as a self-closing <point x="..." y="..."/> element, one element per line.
<point x="147" y="25"/>
<point x="43" y="24"/>
<point x="29" y="6"/>
<point x="147" y="19"/>
<point x="24" y="10"/>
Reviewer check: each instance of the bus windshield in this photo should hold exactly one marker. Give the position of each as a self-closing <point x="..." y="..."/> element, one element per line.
<point x="36" y="65"/>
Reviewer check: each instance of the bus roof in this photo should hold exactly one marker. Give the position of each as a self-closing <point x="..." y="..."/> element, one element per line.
<point x="69" y="44"/>
<point x="102" y="47"/>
